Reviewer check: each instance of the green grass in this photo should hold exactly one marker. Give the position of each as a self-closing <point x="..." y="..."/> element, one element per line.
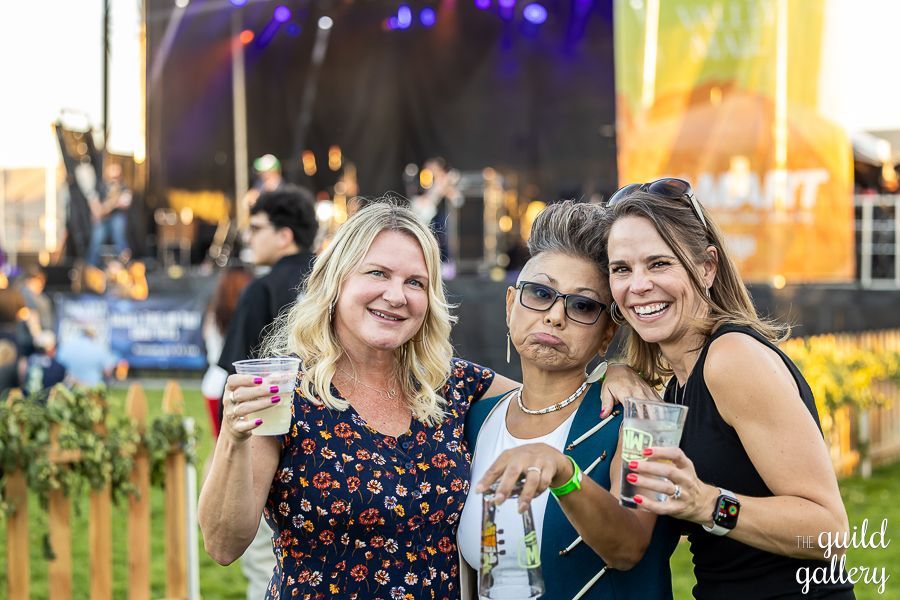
<point x="873" y="499"/>
<point x="215" y="581"/>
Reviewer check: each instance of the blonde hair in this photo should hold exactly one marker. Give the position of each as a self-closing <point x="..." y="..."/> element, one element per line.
<point x="423" y="363"/>
<point x="683" y="231"/>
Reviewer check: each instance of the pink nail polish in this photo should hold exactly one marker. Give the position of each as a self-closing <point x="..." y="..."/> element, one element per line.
<point x="259" y="421"/>
<point x="273" y="389"/>
<point x="276" y="399"/>
<point x="257" y="380"/>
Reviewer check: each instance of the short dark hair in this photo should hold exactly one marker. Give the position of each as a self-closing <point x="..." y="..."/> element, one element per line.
<point x="293" y="208"/>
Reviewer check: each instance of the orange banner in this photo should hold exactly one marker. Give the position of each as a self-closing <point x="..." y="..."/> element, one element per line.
<point x="724" y="93"/>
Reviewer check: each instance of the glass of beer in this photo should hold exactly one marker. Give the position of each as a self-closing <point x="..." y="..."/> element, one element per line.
<point x="647" y="423"/>
<point x="274" y="371"/>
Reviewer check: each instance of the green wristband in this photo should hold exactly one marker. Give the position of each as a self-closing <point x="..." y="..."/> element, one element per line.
<point x="574" y="482"/>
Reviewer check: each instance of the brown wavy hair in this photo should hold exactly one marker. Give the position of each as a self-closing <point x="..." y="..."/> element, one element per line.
<point x="681" y="230"/>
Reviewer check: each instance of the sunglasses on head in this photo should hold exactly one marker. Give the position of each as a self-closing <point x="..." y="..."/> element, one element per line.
<point x="668" y="187"/>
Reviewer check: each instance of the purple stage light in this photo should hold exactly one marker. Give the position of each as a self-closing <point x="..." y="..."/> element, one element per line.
<point x="404" y="16"/>
<point x="282" y="14"/>
<point x="535" y="13"/>
<point x="293" y="30"/>
<point x="427" y="17"/>
<point x="239" y="2"/>
<point x="506" y="3"/>
<point x="392" y="23"/>
<point x="483" y="4"/>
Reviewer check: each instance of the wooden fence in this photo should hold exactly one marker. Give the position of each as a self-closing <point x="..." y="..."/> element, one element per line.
<point x="100" y="521"/>
<point x="862" y="438"/>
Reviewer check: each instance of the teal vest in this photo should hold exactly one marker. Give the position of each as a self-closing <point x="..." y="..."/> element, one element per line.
<point x="566" y="574"/>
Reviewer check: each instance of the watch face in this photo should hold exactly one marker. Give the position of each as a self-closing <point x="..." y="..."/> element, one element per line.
<point x="727" y="512"/>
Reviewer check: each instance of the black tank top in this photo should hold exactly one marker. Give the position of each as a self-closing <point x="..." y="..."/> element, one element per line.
<point x="725" y="568"/>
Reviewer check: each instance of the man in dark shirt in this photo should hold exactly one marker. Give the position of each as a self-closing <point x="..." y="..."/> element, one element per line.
<point x="281" y="233"/>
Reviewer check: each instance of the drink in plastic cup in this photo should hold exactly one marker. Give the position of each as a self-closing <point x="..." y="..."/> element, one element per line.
<point x="274" y="371"/>
<point x="647" y="423"/>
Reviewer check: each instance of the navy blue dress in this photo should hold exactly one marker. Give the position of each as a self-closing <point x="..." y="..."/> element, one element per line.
<point x="359" y="514"/>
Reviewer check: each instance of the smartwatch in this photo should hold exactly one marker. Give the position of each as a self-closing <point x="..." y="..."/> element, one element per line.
<point x="725" y="514"/>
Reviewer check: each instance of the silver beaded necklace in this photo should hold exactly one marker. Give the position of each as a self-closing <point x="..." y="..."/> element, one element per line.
<point x="558" y="406"/>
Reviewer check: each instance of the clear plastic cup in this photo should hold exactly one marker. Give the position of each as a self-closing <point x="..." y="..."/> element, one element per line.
<point x="274" y="371"/>
<point x="647" y="423"/>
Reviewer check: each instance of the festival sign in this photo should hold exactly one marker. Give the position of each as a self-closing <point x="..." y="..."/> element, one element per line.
<point x="158" y="333"/>
<point x="725" y="95"/>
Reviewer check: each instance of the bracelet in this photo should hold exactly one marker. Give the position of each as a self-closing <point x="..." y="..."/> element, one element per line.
<point x="574" y="482"/>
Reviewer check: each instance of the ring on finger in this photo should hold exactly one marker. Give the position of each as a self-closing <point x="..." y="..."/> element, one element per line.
<point x="231" y="397"/>
<point x="535" y="469"/>
<point x="242" y="418"/>
<point x="677" y="494"/>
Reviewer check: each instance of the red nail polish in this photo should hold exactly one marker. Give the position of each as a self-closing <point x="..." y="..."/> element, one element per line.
<point x="648" y="451"/>
<point x="638" y="499"/>
<point x="276" y="399"/>
<point x="259" y="421"/>
<point x="631" y="477"/>
<point x="257" y="380"/>
<point x="633" y="465"/>
<point x="273" y="389"/>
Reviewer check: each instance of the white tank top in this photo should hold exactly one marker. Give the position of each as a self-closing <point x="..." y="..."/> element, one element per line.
<point x="493" y="439"/>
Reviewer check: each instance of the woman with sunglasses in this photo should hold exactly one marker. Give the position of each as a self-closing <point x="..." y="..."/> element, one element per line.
<point x="752" y="475"/>
<point x="547" y="430"/>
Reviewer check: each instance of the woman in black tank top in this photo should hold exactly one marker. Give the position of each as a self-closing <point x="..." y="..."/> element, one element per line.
<point x="753" y="474"/>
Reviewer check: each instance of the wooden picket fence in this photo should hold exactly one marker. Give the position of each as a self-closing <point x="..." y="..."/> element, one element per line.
<point x="862" y="438"/>
<point x="100" y="521"/>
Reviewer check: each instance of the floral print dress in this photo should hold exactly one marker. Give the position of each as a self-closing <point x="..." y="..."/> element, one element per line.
<point x="362" y="515"/>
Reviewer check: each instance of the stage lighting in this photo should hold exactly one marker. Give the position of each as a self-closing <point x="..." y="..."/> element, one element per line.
<point x="483" y="4"/>
<point x="404" y="16"/>
<point x="392" y="23"/>
<point x="246" y="36"/>
<point x="182" y="3"/>
<point x="239" y="2"/>
<point x="535" y="13"/>
<point x="427" y="17"/>
<point x="293" y="30"/>
<point x="325" y="23"/>
<point x="506" y="3"/>
<point x="282" y="14"/>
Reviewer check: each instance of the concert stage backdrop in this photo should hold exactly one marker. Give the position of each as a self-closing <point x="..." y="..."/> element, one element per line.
<point x="474" y="81"/>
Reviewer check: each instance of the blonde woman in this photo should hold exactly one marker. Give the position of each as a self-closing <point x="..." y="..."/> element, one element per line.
<point x="365" y="492"/>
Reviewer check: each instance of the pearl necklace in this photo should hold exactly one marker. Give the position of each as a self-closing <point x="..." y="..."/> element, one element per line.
<point x="558" y="406"/>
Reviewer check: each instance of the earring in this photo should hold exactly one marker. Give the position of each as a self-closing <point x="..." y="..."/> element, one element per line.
<point x="331" y="310"/>
<point x="508" y="344"/>
<point x="615" y="313"/>
<point x="598" y="373"/>
<point x="709" y="293"/>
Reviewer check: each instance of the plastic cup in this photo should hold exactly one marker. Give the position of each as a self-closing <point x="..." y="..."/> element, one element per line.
<point x="274" y="371"/>
<point x="647" y="423"/>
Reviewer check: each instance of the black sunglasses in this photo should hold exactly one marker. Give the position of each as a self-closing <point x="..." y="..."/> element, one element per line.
<point x="578" y="308"/>
<point x="669" y="187"/>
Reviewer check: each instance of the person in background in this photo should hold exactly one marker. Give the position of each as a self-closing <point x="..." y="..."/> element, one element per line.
<point x="281" y="232"/>
<point x="41" y="370"/>
<point x="88" y="361"/>
<point x="109" y="212"/>
<point x="434" y="204"/>
<point x="269" y="178"/>
<point x="222" y="304"/>
<point x="37" y="313"/>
